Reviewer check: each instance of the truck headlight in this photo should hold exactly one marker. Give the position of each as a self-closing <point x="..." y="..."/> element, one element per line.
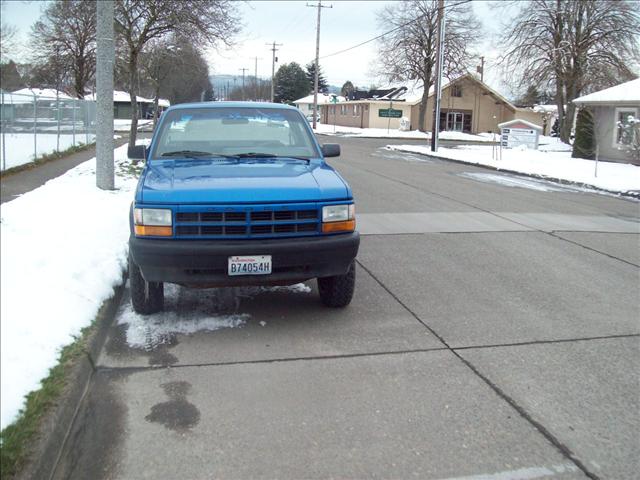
<point x="152" y="222"/>
<point x="338" y="218"/>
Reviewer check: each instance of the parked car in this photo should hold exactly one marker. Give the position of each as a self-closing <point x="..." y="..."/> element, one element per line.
<point x="239" y="194"/>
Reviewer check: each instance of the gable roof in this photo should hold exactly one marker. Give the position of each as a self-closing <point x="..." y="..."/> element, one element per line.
<point x="413" y="94"/>
<point x="628" y="92"/>
<point x="518" y="121"/>
<point x="48" y="93"/>
<point x="322" y="98"/>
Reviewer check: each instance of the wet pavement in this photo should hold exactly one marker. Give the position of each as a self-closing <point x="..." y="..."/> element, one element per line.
<point x="494" y="334"/>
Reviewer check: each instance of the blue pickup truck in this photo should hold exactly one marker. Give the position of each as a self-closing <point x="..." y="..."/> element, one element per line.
<point x="236" y="194"/>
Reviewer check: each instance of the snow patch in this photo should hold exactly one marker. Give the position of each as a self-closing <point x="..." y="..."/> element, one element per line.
<point x="521" y="182"/>
<point x="614" y="177"/>
<point x="150" y="331"/>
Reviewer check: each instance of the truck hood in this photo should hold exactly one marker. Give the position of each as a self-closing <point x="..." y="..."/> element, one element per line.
<point x="216" y="181"/>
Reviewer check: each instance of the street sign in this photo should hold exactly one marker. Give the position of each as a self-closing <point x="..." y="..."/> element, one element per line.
<point x="389" y="113"/>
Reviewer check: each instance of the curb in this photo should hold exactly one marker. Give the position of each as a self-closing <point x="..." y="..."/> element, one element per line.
<point x="635" y="194"/>
<point x="57" y="425"/>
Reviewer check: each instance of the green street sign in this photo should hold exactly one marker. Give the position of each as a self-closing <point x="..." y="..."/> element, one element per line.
<point x="389" y="113"/>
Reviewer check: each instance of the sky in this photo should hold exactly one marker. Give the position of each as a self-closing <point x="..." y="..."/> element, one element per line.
<point x="293" y="24"/>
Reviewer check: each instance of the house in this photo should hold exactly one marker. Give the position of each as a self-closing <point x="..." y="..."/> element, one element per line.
<point x="44" y="104"/>
<point x="611" y="109"/>
<point x="467" y="105"/>
<point x="306" y="103"/>
<point x="122" y="105"/>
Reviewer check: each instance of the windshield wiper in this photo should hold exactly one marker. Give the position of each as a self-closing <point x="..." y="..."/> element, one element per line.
<point x="188" y="153"/>
<point x="268" y="156"/>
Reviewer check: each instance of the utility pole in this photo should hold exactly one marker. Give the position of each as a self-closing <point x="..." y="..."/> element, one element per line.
<point x="435" y="128"/>
<point x="274" y="59"/>
<point x="105" y="56"/>
<point x="243" y="70"/>
<point x="317" y="69"/>
<point x="480" y="70"/>
<point x="255" y="80"/>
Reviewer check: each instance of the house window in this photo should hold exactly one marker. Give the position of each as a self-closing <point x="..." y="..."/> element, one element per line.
<point x="311" y="106"/>
<point x="355" y="111"/>
<point x="343" y="109"/>
<point x="456" y="91"/>
<point x="623" y="135"/>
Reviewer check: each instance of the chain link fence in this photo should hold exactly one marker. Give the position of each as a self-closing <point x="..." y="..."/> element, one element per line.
<point x="32" y="126"/>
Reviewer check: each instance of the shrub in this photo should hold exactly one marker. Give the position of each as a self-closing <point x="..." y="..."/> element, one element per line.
<point x="584" y="145"/>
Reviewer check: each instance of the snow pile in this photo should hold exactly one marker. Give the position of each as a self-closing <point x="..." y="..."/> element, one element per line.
<point x="63" y="250"/>
<point x="615" y="177"/>
<point x="327" y="129"/>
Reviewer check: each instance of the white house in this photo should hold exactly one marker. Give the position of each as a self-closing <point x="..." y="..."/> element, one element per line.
<point x="612" y="108"/>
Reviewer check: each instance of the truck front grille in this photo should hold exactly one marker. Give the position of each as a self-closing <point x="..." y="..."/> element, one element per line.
<point x="249" y="222"/>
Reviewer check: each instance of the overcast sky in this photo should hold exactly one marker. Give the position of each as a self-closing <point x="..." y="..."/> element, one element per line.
<point x="293" y="24"/>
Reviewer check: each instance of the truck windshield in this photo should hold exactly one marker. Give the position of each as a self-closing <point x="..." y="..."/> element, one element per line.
<point x="202" y="132"/>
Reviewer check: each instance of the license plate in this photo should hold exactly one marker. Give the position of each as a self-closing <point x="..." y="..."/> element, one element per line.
<point x="250" y="265"/>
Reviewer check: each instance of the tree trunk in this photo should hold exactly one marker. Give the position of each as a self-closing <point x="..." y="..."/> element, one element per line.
<point x="422" y="111"/>
<point x="156" y="101"/>
<point x="567" y="124"/>
<point x="133" y="92"/>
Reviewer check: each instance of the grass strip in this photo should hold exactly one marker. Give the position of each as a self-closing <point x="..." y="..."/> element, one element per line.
<point x="17" y="438"/>
<point x="48" y="157"/>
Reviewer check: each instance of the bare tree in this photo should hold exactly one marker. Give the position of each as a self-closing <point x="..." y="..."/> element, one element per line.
<point x="409" y="52"/>
<point x="202" y="22"/>
<point x="157" y="62"/>
<point x="572" y="46"/>
<point x="65" y="37"/>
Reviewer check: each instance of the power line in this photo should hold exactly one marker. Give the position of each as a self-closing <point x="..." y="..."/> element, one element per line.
<point x="390" y="31"/>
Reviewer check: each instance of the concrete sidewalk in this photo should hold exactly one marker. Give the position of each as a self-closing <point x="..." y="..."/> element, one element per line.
<point x="15" y="184"/>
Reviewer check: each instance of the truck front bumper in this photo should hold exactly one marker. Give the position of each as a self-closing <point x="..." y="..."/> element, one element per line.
<point x="205" y="262"/>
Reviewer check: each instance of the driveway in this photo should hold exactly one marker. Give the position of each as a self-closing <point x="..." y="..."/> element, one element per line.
<point x="494" y="334"/>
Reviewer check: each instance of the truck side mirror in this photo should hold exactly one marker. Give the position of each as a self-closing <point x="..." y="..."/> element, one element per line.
<point x="137" y="152"/>
<point x="331" y="150"/>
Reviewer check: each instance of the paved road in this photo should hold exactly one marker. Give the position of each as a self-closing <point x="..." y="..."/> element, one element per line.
<point x="494" y="335"/>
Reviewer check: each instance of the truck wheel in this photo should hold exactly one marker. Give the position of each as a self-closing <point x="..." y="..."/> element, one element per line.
<point x="337" y="291"/>
<point x="146" y="297"/>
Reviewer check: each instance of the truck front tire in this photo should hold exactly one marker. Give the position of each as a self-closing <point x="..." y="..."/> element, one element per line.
<point x="146" y="297"/>
<point x="337" y="291"/>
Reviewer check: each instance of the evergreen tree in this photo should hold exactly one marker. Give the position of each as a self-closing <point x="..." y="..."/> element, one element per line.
<point x="347" y="89"/>
<point x="584" y="145"/>
<point x="323" y="86"/>
<point x="290" y="83"/>
<point x="209" y="95"/>
<point x="10" y="77"/>
<point x="531" y="97"/>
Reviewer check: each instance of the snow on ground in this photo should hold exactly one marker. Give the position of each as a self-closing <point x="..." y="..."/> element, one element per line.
<point x="19" y="148"/>
<point x="123" y="125"/>
<point x="615" y="177"/>
<point x="327" y="129"/>
<point x="63" y="250"/>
